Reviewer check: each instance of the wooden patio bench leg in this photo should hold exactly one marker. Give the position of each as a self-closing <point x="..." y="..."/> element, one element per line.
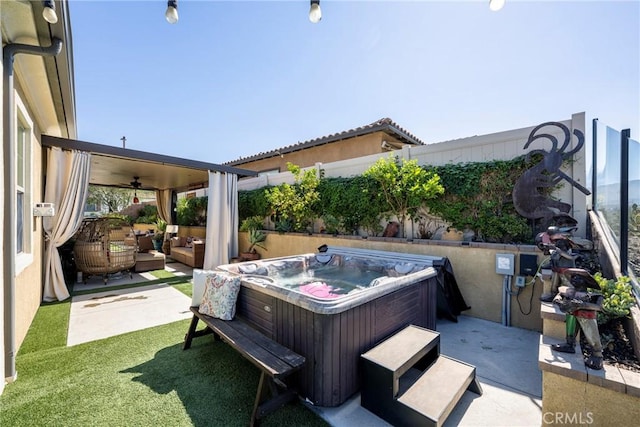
<point x="263" y="405"/>
<point x="190" y="333"/>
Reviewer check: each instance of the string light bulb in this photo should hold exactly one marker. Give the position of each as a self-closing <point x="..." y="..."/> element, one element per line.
<point x="496" y="5"/>
<point x="315" y="13"/>
<point x="172" y="11"/>
<point x="49" y="12"/>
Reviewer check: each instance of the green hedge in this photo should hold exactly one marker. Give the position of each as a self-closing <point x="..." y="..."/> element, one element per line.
<point x="477" y="196"/>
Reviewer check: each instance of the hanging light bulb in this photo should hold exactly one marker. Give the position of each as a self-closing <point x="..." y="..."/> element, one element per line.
<point x="496" y="5"/>
<point x="49" y="12"/>
<point x="172" y="11"/>
<point x="315" y="14"/>
<point x="135" y="198"/>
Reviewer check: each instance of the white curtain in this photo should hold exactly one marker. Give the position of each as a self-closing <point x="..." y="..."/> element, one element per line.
<point x="163" y="201"/>
<point x="222" y="220"/>
<point x="67" y="187"/>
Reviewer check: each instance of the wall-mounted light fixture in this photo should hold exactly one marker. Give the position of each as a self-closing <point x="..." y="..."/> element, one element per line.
<point x="49" y="12"/>
<point x="315" y="14"/>
<point x="172" y="11"/>
<point x="496" y="5"/>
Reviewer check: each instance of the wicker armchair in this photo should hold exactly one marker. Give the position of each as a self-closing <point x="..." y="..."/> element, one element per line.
<point x="102" y="248"/>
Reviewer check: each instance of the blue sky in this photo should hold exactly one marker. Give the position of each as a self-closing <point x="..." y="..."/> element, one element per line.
<point x="234" y="78"/>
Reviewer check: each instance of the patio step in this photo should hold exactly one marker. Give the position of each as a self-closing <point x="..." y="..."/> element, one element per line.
<point x="407" y="382"/>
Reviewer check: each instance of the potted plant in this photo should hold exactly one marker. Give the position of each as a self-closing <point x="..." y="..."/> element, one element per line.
<point x="255" y="236"/>
<point x="256" y="239"/>
<point x="158" y="237"/>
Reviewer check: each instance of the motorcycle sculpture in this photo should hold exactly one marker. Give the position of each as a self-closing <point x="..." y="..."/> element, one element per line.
<point x="572" y="290"/>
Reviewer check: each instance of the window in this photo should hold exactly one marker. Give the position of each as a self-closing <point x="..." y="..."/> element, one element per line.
<point x="20" y="188"/>
<point x="269" y="172"/>
<point x="24" y="197"/>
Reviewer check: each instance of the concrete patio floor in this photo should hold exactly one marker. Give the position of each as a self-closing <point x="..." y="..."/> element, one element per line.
<point x="506" y="361"/>
<point x="506" y="358"/>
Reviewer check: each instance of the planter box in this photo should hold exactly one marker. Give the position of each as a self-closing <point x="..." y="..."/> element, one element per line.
<point x="573" y="394"/>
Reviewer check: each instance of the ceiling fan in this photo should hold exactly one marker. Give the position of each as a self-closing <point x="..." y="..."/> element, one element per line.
<point x="135" y="184"/>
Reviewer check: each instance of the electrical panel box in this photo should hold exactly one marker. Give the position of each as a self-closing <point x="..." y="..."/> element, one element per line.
<point x="505" y="264"/>
<point x="44" y="209"/>
<point x="528" y="264"/>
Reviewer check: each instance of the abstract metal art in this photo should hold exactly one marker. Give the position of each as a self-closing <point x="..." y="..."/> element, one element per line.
<point x="528" y="198"/>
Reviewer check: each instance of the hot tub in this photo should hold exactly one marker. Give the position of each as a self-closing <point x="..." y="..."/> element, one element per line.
<point x="333" y="306"/>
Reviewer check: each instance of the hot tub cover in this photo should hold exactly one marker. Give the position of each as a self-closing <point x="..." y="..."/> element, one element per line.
<point x="450" y="300"/>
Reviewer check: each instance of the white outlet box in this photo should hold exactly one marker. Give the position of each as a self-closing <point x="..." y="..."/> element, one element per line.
<point x="44" y="209"/>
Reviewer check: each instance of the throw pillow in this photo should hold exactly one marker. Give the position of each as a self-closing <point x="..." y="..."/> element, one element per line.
<point x="145" y="244"/>
<point x="189" y="242"/>
<point x="220" y="295"/>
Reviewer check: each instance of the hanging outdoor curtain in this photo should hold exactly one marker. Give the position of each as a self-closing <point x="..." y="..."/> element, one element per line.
<point x="163" y="201"/>
<point x="67" y="187"/>
<point x="222" y="219"/>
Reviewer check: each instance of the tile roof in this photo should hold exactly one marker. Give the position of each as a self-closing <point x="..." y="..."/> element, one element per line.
<point x="385" y="125"/>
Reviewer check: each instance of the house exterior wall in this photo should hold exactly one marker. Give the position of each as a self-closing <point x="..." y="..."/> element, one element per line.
<point x="326" y="153"/>
<point x="2" y="218"/>
<point x="43" y="103"/>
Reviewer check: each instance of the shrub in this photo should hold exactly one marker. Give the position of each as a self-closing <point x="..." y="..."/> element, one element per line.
<point x="406" y="187"/>
<point x="253" y="203"/>
<point x="148" y="214"/>
<point x="296" y="203"/>
<point x="354" y="202"/>
<point x="618" y="297"/>
<point x="192" y="211"/>
<point x="255" y="222"/>
<point x="478" y="196"/>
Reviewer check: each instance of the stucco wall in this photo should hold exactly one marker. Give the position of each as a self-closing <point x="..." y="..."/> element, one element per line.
<point x="473" y="267"/>
<point x="2" y="218"/>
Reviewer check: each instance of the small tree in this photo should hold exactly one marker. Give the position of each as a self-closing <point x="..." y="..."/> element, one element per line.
<point x="296" y="203"/>
<point x="405" y="186"/>
<point x="114" y="198"/>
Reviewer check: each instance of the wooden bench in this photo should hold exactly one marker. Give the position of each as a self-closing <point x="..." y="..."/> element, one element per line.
<point x="275" y="361"/>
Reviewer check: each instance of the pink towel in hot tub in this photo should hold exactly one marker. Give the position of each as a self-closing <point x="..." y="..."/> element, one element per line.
<point x="319" y="290"/>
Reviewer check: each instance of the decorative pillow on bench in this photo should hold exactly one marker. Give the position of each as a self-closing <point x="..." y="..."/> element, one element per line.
<point x="220" y="295"/>
<point x="177" y="242"/>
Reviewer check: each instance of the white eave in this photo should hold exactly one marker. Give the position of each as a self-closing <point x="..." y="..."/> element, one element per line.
<point x="46" y="83"/>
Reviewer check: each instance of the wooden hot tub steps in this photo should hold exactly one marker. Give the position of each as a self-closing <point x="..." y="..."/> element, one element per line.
<point x="407" y="382"/>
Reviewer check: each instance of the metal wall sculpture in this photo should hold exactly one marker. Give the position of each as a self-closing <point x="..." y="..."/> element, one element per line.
<point x="529" y="199"/>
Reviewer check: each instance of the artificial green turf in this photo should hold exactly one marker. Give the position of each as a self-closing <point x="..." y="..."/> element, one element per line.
<point x="162" y="274"/>
<point x="41" y="335"/>
<point x="142" y="378"/>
